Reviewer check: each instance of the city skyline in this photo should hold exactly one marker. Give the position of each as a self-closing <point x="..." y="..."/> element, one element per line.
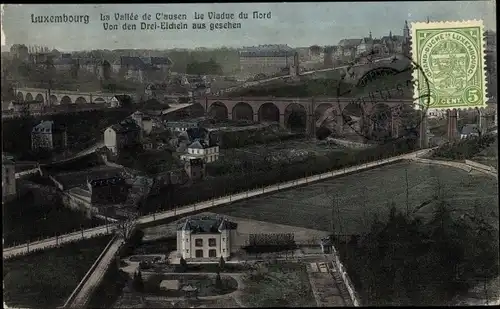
<point x="295" y="24"/>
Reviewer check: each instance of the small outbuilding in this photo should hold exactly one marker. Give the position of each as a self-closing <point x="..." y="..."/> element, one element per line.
<point x="326" y="245"/>
<point x="170" y="285"/>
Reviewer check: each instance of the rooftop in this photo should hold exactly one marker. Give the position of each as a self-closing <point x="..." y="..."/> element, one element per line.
<point x="76" y="179"/>
<point x="25" y="166"/>
<point x="126" y="125"/>
<point x="207" y="224"/>
<point x="200" y="144"/>
<point x="106" y="180"/>
<point x="48" y="126"/>
<point x="170" y="284"/>
<point x="349" y="42"/>
<point x="142" y="63"/>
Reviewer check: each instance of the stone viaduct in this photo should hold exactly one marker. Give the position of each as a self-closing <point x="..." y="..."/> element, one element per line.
<point x="310" y="110"/>
<point x="57" y="97"/>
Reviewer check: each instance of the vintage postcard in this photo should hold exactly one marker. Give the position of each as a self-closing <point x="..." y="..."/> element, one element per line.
<point x="226" y="155"/>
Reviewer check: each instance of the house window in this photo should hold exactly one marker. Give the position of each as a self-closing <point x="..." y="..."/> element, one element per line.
<point x="212" y="242"/>
<point x="187" y="250"/>
<point x="212" y="253"/>
<point x="199" y="253"/>
<point x="198" y="242"/>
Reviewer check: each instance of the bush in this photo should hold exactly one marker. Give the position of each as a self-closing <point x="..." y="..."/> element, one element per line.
<point x="407" y="262"/>
<point x="222" y="263"/>
<point x="134" y="241"/>
<point x="44" y="279"/>
<point x="138" y="282"/>
<point x="464" y="148"/>
<point x="265" y="174"/>
<point x="183" y="264"/>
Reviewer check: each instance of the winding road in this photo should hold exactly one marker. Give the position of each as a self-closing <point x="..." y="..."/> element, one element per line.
<point x="107" y="229"/>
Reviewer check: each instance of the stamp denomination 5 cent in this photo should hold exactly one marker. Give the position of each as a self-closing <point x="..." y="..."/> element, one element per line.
<point x="451" y="55"/>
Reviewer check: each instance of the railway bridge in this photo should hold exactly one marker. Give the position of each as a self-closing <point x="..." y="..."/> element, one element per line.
<point x="59" y="97"/>
<point x="307" y="114"/>
<point x="299" y="112"/>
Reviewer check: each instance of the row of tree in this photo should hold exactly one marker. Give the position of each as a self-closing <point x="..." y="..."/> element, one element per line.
<point x="209" y="67"/>
<point x="419" y="261"/>
<point x="268" y="173"/>
<point x="464" y="148"/>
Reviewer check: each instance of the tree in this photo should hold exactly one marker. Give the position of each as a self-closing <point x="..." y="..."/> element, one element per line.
<point x="222" y="263"/>
<point x="25" y="111"/>
<point x="75" y="69"/>
<point x="106" y="70"/>
<point x="218" y="282"/>
<point x="183" y="264"/>
<point x="138" y="282"/>
<point x="127" y="225"/>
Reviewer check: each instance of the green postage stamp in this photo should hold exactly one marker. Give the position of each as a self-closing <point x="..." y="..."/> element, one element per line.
<point x="450" y="56"/>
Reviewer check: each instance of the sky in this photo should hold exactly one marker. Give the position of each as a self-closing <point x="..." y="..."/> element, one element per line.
<point x="296" y="24"/>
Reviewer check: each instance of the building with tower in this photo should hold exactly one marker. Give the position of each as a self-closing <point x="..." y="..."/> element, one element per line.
<point x="349" y="49"/>
<point x="205" y="237"/>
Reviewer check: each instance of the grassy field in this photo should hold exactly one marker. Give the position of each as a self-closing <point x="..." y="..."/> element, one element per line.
<point x="45" y="279"/>
<point x="359" y="197"/>
<point x="278" y="285"/>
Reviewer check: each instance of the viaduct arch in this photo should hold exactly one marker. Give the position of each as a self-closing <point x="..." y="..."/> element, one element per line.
<point x="56" y="97"/>
<point x="305" y="114"/>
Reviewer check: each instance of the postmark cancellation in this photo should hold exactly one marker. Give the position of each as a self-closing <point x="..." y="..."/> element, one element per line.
<point x="452" y="58"/>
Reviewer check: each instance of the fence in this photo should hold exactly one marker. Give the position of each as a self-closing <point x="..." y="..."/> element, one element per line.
<point x="55" y="242"/>
<point x="468" y="166"/>
<point x="345" y="277"/>
<point x="28" y="172"/>
<point x="242" y="195"/>
<point x="273" y="188"/>
<point x="480" y="166"/>
<point x="89" y="272"/>
<point x="459" y="165"/>
<point x="56" y="183"/>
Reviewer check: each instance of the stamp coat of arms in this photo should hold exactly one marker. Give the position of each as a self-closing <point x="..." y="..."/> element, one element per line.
<point x="451" y="57"/>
